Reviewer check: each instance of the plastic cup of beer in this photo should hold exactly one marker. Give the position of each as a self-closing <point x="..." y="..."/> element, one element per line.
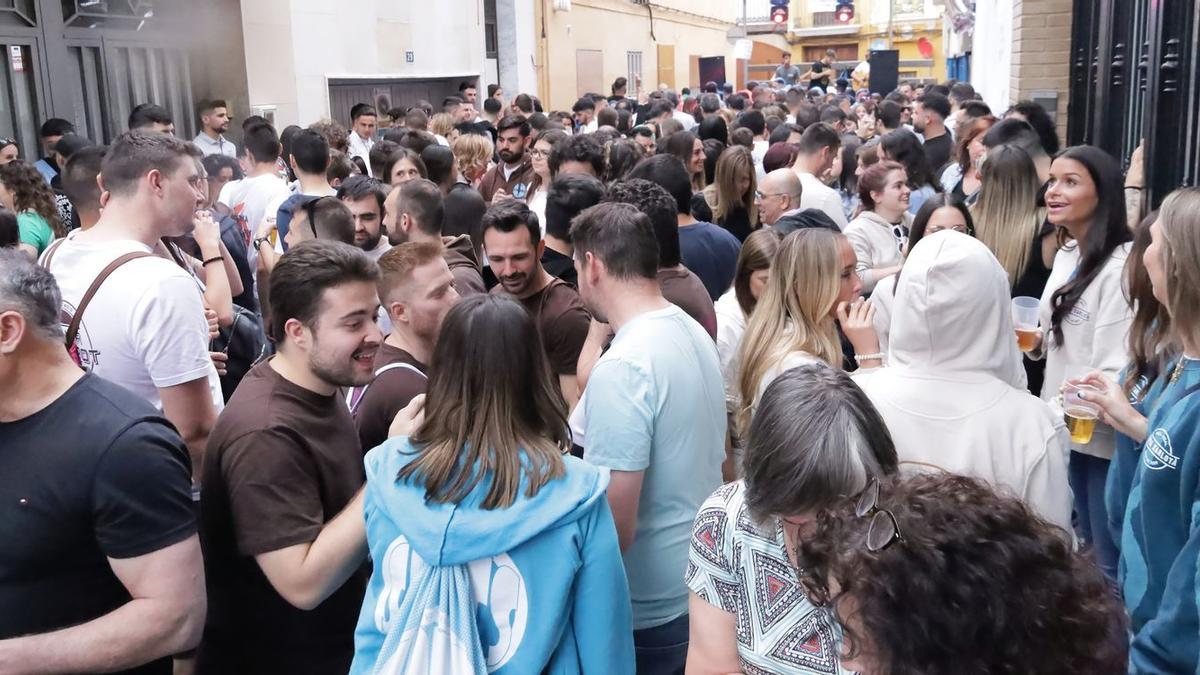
<point x="1025" y="320"/>
<point x="1081" y="415"/>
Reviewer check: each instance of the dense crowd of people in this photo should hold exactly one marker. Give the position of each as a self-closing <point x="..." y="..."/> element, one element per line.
<point x="802" y="378"/>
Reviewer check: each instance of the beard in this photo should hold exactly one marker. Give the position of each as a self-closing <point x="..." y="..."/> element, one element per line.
<point x="340" y="372"/>
<point x="511" y="157"/>
<point x="370" y="242"/>
<point x="516" y="283"/>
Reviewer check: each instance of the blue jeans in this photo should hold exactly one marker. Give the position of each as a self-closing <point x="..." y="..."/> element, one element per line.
<point x="662" y="650"/>
<point x="1088" y="475"/>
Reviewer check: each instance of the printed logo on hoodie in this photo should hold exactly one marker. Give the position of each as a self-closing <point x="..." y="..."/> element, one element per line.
<point x="498" y="587"/>
<point x="1158" y="454"/>
<point x="1079" y="314"/>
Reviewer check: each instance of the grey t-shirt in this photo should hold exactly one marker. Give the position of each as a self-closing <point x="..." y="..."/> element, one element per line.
<point x="789" y="74"/>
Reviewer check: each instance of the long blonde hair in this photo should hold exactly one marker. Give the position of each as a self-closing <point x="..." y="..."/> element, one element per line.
<point x="733" y="160"/>
<point x="1007" y="217"/>
<point x="794" y="313"/>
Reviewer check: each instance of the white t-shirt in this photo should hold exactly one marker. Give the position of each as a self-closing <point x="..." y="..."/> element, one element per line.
<point x="251" y="199"/>
<point x="731" y="327"/>
<point x="145" y="328"/>
<point x="819" y="196"/>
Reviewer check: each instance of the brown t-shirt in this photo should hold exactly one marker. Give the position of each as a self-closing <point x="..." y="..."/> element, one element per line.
<point x="562" y="320"/>
<point x="681" y="287"/>
<point x="281" y="462"/>
<point x="395" y="385"/>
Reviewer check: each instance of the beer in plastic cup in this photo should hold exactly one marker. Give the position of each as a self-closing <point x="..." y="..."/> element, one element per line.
<point x="1025" y="320"/>
<point x="1080" y="414"/>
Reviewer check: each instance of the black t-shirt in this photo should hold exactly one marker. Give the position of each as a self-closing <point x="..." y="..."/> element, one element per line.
<point x="97" y="474"/>
<point x="561" y="266"/>
<point x="937" y="152"/>
<point x="823" y="71"/>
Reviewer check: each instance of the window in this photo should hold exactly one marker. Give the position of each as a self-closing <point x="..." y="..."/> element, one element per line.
<point x="490" y="38"/>
<point x="845" y="52"/>
<point x="633" y="74"/>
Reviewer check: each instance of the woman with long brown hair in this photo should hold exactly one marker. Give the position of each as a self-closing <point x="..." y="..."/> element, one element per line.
<point x="25" y="192"/>
<point x="690" y="150"/>
<point x="482" y="519"/>
<point x="731" y="195"/>
<point x="967" y="153"/>
<point x="735" y="307"/>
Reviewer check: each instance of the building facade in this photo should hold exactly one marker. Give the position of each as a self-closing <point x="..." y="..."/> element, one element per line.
<point x="90" y="62"/>
<point x="914" y="28"/>
<point x="582" y="46"/>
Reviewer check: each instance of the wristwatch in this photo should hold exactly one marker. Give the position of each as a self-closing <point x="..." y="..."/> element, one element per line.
<point x="259" y="241"/>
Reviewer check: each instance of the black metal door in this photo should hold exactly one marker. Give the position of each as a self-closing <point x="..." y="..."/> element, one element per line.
<point x="1133" y="77"/>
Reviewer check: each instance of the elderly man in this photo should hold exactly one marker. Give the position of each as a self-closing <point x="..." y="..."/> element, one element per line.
<point x="779" y="196"/>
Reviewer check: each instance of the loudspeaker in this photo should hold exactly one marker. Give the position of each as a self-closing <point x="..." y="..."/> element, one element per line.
<point x="885" y="70"/>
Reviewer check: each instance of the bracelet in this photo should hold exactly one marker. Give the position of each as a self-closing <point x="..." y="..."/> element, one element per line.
<point x="1135" y="187"/>
<point x="878" y="356"/>
<point x="213" y="260"/>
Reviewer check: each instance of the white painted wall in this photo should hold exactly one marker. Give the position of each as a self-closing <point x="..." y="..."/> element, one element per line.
<point x="991" y="55"/>
<point x="293" y="47"/>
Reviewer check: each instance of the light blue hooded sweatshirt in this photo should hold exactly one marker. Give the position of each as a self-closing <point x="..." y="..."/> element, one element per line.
<point x="545" y="574"/>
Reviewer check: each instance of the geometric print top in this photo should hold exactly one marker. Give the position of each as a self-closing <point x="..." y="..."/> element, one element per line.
<point x="741" y="567"/>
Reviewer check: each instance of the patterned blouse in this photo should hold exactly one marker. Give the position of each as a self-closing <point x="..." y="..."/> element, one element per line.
<point x="742" y="567"/>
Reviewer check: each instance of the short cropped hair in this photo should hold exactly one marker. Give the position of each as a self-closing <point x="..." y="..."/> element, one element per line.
<point x="569" y="195"/>
<point x="619" y="236"/>
<point x="311" y="151"/>
<point x="145" y="115"/>
<point x="362" y="110"/>
<point x="397" y="265"/>
<point x="511" y="214"/>
<point x="581" y="148"/>
<point x="31" y="291"/>
<point x="667" y="171"/>
<point x="79" y="177"/>
<point x="357" y="188"/>
<point x="659" y="206"/>
<point x="56" y="126"/>
<point x="261" y="143"/>
<point x="518" y="122"/>
<point x="819" y="136"/>
<point x="937" y="103"/>
<point x="305" y="272"/>
<point x="135" y="153"/>
<point x="421" y="200"/>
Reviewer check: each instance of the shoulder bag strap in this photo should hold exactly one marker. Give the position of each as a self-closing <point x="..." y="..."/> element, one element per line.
<point x="73" y="329"/>
<point x="50" y="253"/>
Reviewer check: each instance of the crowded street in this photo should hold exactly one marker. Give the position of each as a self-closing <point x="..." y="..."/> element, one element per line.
<point x="682" y="337"/>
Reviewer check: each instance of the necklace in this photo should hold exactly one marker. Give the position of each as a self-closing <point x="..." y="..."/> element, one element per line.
<point x="1177" y="372"/>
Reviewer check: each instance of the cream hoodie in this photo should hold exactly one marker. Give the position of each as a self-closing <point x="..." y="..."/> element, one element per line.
<point x="946" y="394"/>
<point x="1095" y="333"/>
<point x="874" y="244"/>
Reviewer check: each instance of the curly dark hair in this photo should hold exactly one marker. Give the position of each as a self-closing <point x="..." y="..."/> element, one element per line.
<point x="31" y="193"/>
<point x="977" y="584"/>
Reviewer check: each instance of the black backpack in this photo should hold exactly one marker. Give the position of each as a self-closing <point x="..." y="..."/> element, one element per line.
<point x="244" y="343"/>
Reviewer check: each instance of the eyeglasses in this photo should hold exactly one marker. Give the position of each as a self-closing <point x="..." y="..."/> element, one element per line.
<point x="884" y="530"/>
<point x="763" y="195"/>
<point x="199" y="182"/>
<point x="534" y="152"/>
